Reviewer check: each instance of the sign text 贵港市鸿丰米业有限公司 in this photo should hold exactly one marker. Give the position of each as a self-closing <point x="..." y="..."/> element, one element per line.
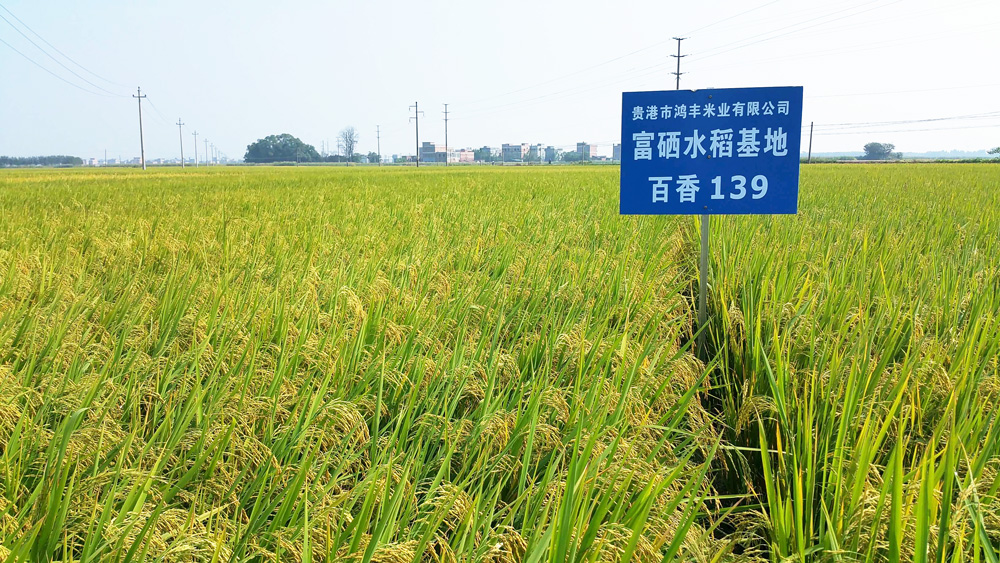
<point x="717" y="151"/>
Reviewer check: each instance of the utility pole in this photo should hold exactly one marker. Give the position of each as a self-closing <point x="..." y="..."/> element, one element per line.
<point x="207" y="161"/>
<point x="180" y="134"/>
<point x="678" y="57"/>
<point x="705" y="224"/>
<point x="142" y="146"/>
<point x="105" y="157"/>
<point x="446" y="134"/>
<point x="378" y="143"/>
<point x="809" y="159"/>
<point x="195" y="149"/>
<point x="416" y="117"/>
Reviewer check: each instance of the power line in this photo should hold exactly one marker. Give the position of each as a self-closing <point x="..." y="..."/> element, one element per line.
<point x="654" y="45"/>
<point x="569" y="92"/>
<point x="865" y="128"/>
<point x="868" y="132"/>
<point x="26" y="26"/>
<point x="906" y="91"/>
<point x="159" y="114"/>
<point x="897" y="18"/>
<point x="57" y="61"/>
<point x="580" y="90"/>
<point x="864" y="124"/>
<point x="645" y="71"/>
<point x="877" y="45"/>
<point x="743" y="45"/>
<point x="790" y="26"/>
<point x="614" y="59"/>
<point x="652" y="70"/>
<point x="32" y="61"/>
<point x="713" y="24"/>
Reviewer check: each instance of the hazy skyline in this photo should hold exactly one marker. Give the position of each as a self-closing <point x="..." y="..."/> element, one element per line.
<point x="883" y="70"/>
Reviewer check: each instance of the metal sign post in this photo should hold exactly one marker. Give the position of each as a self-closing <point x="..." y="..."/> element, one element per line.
<point x="703" y="283"/>
<point x="732" y="151"/>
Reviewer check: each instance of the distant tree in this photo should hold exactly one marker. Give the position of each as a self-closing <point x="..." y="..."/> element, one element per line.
<point x="571" y="156"/>
<point x="281" y="148"/>
<point x="349" y="140"/>
<point x="994" y="151"/>
<point x="879" y="151"/>
<point x="373" y="157"/>
<point x="55" y="160"/>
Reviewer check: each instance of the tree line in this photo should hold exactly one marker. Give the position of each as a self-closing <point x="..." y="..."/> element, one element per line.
<point x="287" y="148"/>
<point x="53" y="160"/>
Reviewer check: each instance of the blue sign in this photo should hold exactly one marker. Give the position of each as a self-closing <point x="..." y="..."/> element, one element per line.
<point x="721" y="151"/>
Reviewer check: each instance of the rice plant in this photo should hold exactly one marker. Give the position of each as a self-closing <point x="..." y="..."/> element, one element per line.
<point x="396" y="365"/>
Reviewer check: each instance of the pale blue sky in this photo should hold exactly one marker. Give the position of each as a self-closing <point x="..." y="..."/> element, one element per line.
<point x="516" y="71"/>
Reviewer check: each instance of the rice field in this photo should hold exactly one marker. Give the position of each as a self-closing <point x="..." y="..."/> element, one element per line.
<point x="480" y="364"/>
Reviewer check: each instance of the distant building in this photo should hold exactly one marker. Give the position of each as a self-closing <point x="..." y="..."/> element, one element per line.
<point x="551" y="154"/>
<point x="461" y="155"/>
<point x="515" y="153"/>
<point x="431" y="152"/>
<point x="616" y="152"/>
<point x="536" y="153"/>
<point x="585" y="150"/>
<point x="427" y="151"/>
